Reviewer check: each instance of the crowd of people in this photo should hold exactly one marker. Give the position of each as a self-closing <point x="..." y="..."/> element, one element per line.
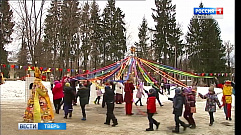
<point x="65" y="93"/>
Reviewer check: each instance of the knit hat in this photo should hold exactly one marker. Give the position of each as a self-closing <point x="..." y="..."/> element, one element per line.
<point x="228" y="83"/>
<point x="178" y="91"/>
<point x="56" y="82"/>
<point x="151" y="90"/>
<point x="211" y="88"/>
<point x="194" y="88"/>
<point x="67" y="84"/>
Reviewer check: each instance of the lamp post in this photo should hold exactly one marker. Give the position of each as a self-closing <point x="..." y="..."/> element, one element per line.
<point x="175" y="57"/>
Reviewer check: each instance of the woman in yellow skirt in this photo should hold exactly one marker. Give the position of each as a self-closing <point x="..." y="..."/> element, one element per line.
<point x="39" y="108"/>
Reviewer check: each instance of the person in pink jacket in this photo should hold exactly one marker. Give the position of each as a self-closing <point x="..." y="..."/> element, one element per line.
<point x="57" y="95"/>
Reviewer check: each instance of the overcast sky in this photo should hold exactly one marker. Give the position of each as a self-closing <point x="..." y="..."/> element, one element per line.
<point x="135" y="10"/>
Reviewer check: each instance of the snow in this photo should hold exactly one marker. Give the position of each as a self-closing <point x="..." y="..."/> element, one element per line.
<point x="14" y="91"/>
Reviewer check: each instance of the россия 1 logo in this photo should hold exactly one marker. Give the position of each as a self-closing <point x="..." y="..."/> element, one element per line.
<point x="208" y="13"/>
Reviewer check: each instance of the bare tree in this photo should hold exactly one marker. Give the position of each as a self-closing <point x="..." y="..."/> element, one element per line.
<point x="229" y="48"/>
<point x="32" y="25"/>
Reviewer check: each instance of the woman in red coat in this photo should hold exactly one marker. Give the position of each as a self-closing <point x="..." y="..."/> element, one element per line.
<point x="57" y="95"/>
<point x="151" y="109"/>
<point x="129" y="87"/>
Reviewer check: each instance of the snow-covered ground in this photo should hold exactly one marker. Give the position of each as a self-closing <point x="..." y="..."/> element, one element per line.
<point x="14" y="91"/>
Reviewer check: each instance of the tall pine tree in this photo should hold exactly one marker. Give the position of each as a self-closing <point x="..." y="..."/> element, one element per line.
<point x="51" y="38"/>
<point x="6" y="30"/>
<point x="95" y="35"/>
<point x="142" y="46"/>
<point x="166" y="33"/>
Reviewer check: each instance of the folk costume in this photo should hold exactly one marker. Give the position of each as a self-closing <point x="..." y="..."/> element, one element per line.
<point x="129" y="87"/>
<point x="227" y="99"/>
<point x="39" y="108"/>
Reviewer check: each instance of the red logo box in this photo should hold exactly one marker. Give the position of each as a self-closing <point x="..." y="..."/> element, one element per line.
<point x="219" y="11"/>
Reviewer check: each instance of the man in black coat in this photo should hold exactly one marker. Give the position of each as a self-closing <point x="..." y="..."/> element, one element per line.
<point x="68" y="99"/>
<point x="83" y="94"/>
<point x="178" y="102"/>
<point x="109" y="100"/>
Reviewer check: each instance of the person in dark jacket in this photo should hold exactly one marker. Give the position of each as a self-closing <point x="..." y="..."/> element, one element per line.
<point x="88" y="85"/>
<point x="68" y="99"/>
<point x="157" y="91"/>
<point x="109" y="100"/>
<point x="167" y="86"/>
<point x="151" y="109"/>
<point x="83" y="94"/>
<point x="178" y="102"/>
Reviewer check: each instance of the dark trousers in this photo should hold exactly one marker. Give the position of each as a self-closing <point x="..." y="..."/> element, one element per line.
<point x="139" y="99"/>
<point x="178" y="121"/>
<point x="52" y="85"/>
<point x="57" y="104"/>
<point x="110" y="115"/>
<point x="97" y="100"/>
<point x="75" y="97"/>
<point x="151" y="120"/>
<point x="168" y="90"/>
<point x="83" y="110"/>
<point x="189" y="117"/>
<point x="157" y="98"/>
<point x="68" y="108"/>
<point x="211" y="117"/>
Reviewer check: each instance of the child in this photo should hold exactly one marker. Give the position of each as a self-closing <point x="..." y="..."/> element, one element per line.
<point x="83" y="93"/>
<point x="190" y="96"/>
<point x="178" y="102"/>
<point x="139" y="93"/>
<point x="98" y="93"/>
<point x="151" y="109"/>
<point x="212" y="99"/>
<point x="68" y="98"/>
<point x="109" y="100"/>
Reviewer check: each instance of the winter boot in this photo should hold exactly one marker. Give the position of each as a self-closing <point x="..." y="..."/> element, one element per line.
<point x="70" y="114"/>
<point x="107" y="121"/>
<point x="57" y="111"/>
<point x="193" y="126"/>
<point x="184" y="125"/>
<point x="157" y="125"/>
<point x="84" y="119"/>
<point x="229" y="118"/>
<point x="150" y="127"/>
<point x="176" y="130"/>
<point x="115" y="123"/>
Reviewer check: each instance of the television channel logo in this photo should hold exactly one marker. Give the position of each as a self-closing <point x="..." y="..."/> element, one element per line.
<point x="42" y="126"/>
<point x="208" y="13"/>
